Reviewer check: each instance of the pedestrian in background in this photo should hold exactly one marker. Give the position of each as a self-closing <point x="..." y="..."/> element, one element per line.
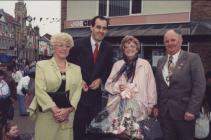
<point x="181" y="88"/>
<point x="11" y="132"/>
<point x="5" y="101"/>
<point x="94" y="56"/>
<point x="21" y="93"/>
<point x="58" y="87"/>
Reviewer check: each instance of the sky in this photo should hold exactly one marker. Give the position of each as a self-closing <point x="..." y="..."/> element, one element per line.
<point x="45" y="14"/>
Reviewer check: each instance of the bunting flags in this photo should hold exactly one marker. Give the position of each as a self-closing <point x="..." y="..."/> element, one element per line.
<point x="43" y="19"/>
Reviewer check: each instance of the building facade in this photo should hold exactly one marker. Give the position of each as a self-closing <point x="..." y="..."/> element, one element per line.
<point x="9" y="36"/>
<point x="29" y="36"/>
<point x="147" y="20"/>
<point x="45" y="49"/>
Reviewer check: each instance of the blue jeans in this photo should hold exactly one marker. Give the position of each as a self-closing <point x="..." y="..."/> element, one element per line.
<point x="21" y="104"/>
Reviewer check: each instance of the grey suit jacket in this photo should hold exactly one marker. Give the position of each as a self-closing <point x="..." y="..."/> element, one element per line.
<point x="187" y="86"/>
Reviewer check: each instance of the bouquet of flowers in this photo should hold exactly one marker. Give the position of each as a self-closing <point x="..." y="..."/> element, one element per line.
<point x="120" y="116"/>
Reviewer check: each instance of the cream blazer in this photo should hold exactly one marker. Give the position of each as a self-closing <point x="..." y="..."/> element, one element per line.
<point x="48" y="79"/>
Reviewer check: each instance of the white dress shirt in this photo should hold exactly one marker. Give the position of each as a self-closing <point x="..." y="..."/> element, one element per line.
<point x="165" y="68"/>
<point x="4" y="89"/>
<point x="93" y="42"/>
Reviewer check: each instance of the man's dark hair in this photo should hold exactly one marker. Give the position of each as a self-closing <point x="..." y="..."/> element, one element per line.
<point x="101" y="18"/>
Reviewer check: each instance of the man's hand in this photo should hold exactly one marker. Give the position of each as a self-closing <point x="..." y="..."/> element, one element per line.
<point x="189" y="116"/>
<point x="95" y="84"/>
<point x="85" y="86"/>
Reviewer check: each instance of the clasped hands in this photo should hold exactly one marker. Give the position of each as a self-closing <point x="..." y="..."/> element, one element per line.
<point x="61" y="114"/>
<point x="94" y="85"/>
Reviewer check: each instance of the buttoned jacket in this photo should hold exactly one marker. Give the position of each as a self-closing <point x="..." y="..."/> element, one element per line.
<point x="187" y="86"/>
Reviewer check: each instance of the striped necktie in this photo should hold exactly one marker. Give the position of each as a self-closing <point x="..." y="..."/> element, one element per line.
<point x="170" y="68"/>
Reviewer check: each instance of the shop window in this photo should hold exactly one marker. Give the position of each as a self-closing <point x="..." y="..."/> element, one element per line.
<point x="136" y="6"/>
<point x="102" y="7"/>
<point x="119" y="7"/>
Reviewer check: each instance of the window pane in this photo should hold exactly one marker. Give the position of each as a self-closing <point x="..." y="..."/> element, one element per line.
<point x="102" y="7"/>
<point x="119" y="7"/>
<point x="136" y="6"/>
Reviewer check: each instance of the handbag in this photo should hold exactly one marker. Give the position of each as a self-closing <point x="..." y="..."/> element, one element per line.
<point x="61" y="98"/>
<point x="151" y="128"/>
<point x="202" y="125"/>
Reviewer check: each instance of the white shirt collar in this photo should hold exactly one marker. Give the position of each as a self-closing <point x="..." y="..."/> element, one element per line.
<point x="175" y="56"/>
<point x="93" y="42"/>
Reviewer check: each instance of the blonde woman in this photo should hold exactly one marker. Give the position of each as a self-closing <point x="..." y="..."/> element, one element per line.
<point x="57" y="92"/>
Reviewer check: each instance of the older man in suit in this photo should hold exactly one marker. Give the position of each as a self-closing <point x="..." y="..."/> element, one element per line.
<point x="181" y="87"/>
<point x="94" y="56"/>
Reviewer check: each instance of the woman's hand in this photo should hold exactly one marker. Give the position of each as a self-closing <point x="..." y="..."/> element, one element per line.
<point x="63" y="114"/>
<point x="122" y="87"/>
<point x="55" y="110"/>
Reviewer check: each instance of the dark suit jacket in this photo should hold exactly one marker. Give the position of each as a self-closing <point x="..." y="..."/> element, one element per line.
<point x="187" y="86"/>
<point x="82" y="55"/>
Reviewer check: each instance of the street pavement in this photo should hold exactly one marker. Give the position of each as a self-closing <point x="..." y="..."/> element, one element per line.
<point x="25" y="124"/>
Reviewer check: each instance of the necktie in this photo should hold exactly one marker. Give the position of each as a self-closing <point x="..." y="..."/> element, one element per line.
<point x="95" y="53"/>
<point x="170" y="67"/>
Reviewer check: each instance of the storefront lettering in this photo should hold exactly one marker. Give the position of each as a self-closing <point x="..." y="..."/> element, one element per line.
<point x="78" y="23"/>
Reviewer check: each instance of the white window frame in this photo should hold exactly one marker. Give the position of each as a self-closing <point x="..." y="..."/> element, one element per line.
<point x="130" y="9"/>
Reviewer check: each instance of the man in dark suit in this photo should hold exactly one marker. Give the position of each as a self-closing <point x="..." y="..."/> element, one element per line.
<point x="96" y="63"/>
<point x="181" y="88"/>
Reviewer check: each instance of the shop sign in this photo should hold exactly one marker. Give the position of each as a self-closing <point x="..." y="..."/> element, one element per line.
<point x="77" y="23"/>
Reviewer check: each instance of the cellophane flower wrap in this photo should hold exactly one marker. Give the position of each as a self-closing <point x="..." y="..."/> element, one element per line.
<point x="121" y="115"/>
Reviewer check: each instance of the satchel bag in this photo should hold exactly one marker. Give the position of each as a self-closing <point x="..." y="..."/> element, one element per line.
<point x="202" y="126"/>
<point x="151" y="129"/>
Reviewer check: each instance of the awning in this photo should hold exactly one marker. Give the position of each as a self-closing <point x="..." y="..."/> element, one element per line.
<point x="4" y="58"/>
<point x="190" y="28"/>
